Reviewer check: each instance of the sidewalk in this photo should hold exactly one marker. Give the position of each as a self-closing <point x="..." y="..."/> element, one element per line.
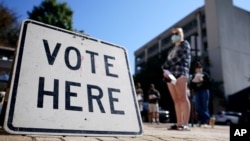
<point x="151" y="133"/>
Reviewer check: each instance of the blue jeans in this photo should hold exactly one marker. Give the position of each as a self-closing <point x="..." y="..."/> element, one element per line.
<point x="201" y="101"/>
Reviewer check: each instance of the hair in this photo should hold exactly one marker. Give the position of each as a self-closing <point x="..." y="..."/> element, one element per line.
<point x="198" y="65"/>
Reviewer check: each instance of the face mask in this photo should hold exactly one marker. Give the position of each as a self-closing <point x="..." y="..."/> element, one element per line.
<point x="175" y="38"/>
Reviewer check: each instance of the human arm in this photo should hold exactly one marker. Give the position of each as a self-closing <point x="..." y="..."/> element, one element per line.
<point x="158" y="94"/>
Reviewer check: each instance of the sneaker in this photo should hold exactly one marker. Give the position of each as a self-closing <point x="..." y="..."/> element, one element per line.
<point x="184" y="128"/>
<point x="173" y="127"/>
<point x="204" y="125"/>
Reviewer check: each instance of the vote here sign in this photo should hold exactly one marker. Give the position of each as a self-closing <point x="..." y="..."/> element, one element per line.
<point x="65" y="83"/>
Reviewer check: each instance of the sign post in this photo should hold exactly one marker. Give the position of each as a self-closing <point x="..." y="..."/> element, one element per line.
<point x="65" y="83"/>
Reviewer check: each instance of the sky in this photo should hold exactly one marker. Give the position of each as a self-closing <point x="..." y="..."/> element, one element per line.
<point x="127" y="23"/>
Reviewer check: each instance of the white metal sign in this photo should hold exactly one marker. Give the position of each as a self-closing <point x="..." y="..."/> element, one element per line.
<point x="65" y="83"/>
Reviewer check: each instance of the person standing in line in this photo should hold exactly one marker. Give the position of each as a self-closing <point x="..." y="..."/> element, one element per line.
<point x="178" y="63"/>
<point x="4" y="106"/>
<point x="200" y="84"/>
<point x="139" y="93"/>
<point x="153" y="106"/>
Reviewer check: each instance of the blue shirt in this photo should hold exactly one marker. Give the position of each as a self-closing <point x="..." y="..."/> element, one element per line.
<point x="179" y="62"/>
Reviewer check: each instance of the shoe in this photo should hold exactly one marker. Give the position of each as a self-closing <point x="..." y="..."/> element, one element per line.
<point x="173" y="127"/>
<point x="183" y="128"/>
<point x="204" y="126"/>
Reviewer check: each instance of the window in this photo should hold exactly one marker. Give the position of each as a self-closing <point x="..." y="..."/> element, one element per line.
<point x="203" y="19"/>
<point x="166" y="41"/>
<point x="139" y="57"/>
<point x="153" y="48"/>
<point x="190" y="26"/>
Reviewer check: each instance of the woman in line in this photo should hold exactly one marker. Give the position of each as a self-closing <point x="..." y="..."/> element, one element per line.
<point x="178" y="63"/>
<point x="200" y="84"/>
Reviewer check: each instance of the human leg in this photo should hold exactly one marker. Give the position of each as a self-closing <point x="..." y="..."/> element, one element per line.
<point x="140" y="108"/>
<point x="197" y="104"/>
<point x="152" y="112"/>
<point x="157" y="113"/>
<point x="173" y="94"/>
<point x="204" y="107"/>
<point x="183" y="100"/>
<point x="154" y="119"/>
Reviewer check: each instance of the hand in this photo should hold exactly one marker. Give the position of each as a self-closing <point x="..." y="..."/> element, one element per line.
<point x="166" y="77"/>
<point x="198" y="78"/>
<point x="152" y="97"/>
<point x="201" y="78"/>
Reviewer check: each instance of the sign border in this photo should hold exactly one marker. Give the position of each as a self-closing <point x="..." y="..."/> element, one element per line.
<point x="9" y="127"/>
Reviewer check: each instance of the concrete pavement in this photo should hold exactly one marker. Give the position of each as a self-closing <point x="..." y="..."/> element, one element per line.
<point x="152" y="132"/>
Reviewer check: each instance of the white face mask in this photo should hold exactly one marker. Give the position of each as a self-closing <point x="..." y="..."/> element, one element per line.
<point x="175" y="38"/>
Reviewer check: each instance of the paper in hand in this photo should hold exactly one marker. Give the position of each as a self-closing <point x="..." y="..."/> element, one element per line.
<point x="152" y="97"/>
<point x="198" y="77"/>
<point x="171" y="76"/>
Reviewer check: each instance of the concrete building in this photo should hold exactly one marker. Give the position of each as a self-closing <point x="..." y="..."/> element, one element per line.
<point x="6" y="60"/>
<point x="219" y="34"/>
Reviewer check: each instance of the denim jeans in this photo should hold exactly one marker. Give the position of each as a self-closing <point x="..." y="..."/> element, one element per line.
<point x="201" y="101"/>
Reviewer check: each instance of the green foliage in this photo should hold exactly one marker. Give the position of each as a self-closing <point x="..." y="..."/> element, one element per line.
<point x="53" y="13"/>
<point x="9" y="26"/>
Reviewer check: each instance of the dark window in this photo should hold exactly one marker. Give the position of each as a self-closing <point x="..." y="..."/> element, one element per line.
<point x="166" y="41"/>
<point x="153" y="48"/>
<point x="190" y="26"/>
<point x="140" y="57"/>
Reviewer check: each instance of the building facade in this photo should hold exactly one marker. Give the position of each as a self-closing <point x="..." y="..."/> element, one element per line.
<point x="6" y="61"/>
<point x="219" y="34"/>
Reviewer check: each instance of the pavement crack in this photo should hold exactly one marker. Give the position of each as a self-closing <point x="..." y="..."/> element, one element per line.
<point x="62" y="139"/>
